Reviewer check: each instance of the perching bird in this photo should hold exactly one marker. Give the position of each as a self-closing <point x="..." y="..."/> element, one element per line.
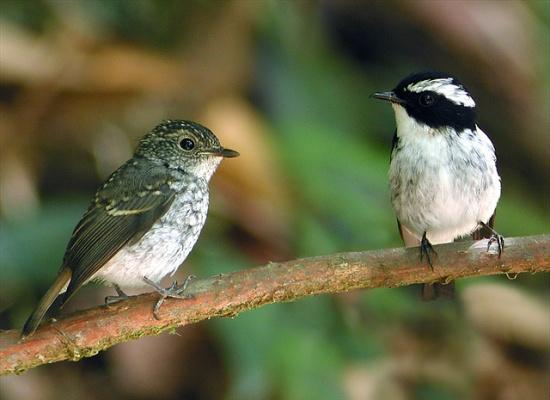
<point x="444" y="182"/>
<point x="144" y="220"/>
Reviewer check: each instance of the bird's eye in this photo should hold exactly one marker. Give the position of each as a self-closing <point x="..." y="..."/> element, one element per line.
<point x="426" y="100"/>
<point x="187" y="144"/>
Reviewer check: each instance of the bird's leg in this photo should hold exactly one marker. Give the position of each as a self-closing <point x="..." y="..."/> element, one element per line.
<point x="425" y="250"/>
<point x="175" y="291"/>
<point x="495" y="237"/>
<point x="113" y="299"/>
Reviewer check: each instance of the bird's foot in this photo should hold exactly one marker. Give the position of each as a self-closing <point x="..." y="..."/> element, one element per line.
<point x="114" y="299"/>
<point x="494" y="238"/>
<point x="175" y="291"/>
<point x="427" y="250"/>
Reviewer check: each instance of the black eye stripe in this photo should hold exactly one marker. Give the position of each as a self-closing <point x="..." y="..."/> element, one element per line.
<point x="426" y="99"/>
<point x="187" y="144"/>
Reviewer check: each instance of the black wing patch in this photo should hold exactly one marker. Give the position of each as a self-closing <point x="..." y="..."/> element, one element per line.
<point x="121" y="213"/>
<point x="394" y="143"/>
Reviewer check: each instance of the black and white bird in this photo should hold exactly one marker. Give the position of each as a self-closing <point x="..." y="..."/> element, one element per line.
<point x="443" y="177"/>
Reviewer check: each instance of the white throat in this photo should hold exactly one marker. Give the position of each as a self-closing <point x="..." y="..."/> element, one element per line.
<point x="408" y="127"/>
<point x="206" y="168"/>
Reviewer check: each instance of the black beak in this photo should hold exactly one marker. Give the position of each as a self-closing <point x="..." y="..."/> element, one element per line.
<point x="221" y="152"/>
<point x="228" y="153"/>
<point x="388" y="96"/>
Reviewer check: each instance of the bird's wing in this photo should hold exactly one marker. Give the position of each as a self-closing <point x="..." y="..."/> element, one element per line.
<point x="394" y="143"/>
<point x="123" y="210"/>
<point x="484" y="233"/>
<point x="409" y="239"/>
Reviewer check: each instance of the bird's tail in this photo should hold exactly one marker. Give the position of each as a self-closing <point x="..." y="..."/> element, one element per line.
<point x="45" y="303"/>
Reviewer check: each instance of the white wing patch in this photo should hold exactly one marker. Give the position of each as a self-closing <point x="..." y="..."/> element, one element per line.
<point x="445" y="87"/>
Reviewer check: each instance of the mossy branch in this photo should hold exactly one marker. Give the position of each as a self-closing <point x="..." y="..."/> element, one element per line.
<point x="88" y="332"/>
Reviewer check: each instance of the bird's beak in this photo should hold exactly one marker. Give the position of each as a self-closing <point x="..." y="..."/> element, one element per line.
<point x="228" y="153"/>
<point x="221" y="152"/>
<point x="388" y="96"/>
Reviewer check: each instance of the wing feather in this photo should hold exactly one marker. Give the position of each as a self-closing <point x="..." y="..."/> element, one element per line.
<point x="122" y="212"/>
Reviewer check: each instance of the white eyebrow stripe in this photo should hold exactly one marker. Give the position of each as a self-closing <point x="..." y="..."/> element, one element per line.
<point x="445" y="87"/>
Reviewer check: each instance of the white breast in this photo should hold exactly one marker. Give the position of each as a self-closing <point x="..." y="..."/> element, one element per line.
<point x="441" y="182"/>
<point x="165" y="246"/>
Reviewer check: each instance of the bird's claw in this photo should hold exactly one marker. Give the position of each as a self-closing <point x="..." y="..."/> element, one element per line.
<point x="114" y="299"/>
<point x="425" y="249"/>
<point x="499" y="239"/>
<point x="495" y="237"/>
<point x="174" y="291"/>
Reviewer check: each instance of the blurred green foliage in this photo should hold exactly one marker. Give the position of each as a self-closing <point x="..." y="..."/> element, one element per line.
<point x="334" y="151"/>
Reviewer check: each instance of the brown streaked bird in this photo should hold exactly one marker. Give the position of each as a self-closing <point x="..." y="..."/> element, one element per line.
<point x="144" y="220"/>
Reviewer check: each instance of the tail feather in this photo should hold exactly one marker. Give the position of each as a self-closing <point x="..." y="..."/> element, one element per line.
<point x="46" y="302"/>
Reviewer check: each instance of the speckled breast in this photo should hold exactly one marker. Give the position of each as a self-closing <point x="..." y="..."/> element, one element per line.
<point x="166" y="245"/>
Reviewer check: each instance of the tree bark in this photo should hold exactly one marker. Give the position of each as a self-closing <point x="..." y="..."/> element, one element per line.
<point x="85" y="333"/>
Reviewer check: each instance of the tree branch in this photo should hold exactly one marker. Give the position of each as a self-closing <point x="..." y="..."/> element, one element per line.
<point x="85" y="333"/>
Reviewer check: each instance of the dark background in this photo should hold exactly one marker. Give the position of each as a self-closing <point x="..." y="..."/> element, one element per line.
<point x="286" y="83"/>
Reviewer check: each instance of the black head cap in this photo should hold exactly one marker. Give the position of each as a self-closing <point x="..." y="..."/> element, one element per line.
<point x="437" y="100"/>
